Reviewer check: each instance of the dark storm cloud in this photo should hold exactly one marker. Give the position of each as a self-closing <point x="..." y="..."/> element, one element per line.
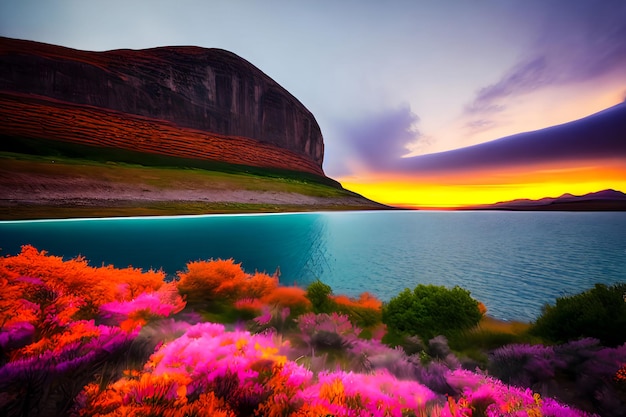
<point x="576" y="41"/>
<point x="381" y="139"/>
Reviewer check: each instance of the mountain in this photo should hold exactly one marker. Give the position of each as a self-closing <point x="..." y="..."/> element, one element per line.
<point x="605" y="200"/>
<point x="193" y="109"/>
<point x="207" y="95"/>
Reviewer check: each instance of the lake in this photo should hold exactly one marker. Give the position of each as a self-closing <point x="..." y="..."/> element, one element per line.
<point x="514" y="262"/>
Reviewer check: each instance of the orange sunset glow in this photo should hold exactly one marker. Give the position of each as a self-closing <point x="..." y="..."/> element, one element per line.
<point x="452" y="190"/>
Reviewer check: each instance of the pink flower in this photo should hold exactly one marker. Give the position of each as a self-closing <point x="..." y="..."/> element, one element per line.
<point x="162" y="303"/>
<point x="265" y="318"/>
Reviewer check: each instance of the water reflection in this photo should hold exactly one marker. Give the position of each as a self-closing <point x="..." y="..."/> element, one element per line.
<point x="295" y="243"/>
<point x="307" y="257"/>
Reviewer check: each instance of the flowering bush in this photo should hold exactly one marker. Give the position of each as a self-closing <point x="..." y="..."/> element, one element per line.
<point x="239" y="374"/>
<point x="377" y="394"/>
<point x="51" y="344"/>
<point x="103" y="341"/>
<point x="46" y="381"/>
<point x="327" y="331"/>
<point x="365" y="311"/>
<point x="293" y="298"/>
<point x="140" y="310"/>
<point x="483" y="395"/>
<point x="94" y="286"/>
<point x="244" y="374"/>
<point x="237" y="370"/>
<point x="584" y="364"/>
<point x="207" y="282"/>
<point x="523" y="365"/>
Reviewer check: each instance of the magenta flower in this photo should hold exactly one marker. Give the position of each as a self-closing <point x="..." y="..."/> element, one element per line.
<point x="16" y="335"/>
<point x="265" y="318"/>
<point x="161" y="303"/>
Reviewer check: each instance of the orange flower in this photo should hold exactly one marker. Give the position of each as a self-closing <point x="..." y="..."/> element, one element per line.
<point x="258" y="285"/>
<point x="249" y="304"/>
<point x="210" y="280"/>
<point x="334" y="392"/>
<point x="620" y="375"/>
<point x="368" y="300"/>
<point x="292" y="297"/>
<point x="74" y="277"/>
<point x="482" y="308"/>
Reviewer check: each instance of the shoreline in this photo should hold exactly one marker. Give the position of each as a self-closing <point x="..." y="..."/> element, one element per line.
<point x="68" y="208"/>
<point x="43" y="213"/>
<point x="43" y="189"/>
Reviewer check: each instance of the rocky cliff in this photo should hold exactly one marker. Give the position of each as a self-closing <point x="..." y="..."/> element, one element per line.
<point x="207" y="93"/>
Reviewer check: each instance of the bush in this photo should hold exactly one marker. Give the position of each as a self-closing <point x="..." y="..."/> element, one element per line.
<point x="523" y="365"/>
<point x="93" y="285"/>
<point x="319" y="295"/>
<point x="598" y="313"/>
<point x="215" y="283"/>
<point x="127" y="358"/>
<point x="327" y="332"/>
<point x="431" y="310"/>
<point x="581" y="373"/>
<point x="364" y="311"/>
<point x="292" y="297"/>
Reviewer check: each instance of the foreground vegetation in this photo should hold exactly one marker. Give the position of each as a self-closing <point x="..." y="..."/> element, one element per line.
<point x="218" y="341"/>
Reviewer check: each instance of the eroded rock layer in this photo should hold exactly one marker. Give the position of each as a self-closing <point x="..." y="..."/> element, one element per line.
<point x="30" y="117"/>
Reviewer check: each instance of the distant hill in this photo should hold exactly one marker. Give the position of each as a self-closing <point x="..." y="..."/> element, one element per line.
<point x="605" y="200"/>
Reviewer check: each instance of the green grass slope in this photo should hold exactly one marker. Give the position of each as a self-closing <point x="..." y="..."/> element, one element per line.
<point x="35" y="174"/>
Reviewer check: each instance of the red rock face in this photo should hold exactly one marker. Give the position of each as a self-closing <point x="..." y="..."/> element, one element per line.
<point x="207" y="92"/>
<point x="32" y="117"/>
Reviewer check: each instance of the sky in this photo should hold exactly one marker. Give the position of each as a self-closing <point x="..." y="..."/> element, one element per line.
<point x="392" y="81"/>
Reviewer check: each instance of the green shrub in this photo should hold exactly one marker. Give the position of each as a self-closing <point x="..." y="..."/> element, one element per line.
<point x="485" y="340"/>
<point x="319" y="294"/>
<point x="431" y="310"/>
<point x="361" y="316"/>
<point x="599" y="312"/>
<point x="394" y="338"/>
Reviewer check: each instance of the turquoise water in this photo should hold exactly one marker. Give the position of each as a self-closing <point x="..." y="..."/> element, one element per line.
<point x="514" y="262"/>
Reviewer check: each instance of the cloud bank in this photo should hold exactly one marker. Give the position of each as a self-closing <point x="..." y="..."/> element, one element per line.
<point x="597" y="137"/>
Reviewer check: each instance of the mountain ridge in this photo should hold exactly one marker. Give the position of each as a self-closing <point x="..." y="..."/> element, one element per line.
<point x="604" y="200"/>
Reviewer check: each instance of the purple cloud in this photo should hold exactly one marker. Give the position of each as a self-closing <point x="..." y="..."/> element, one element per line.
<point x="524" y="77"/>
<point x="381" y="139"/>
<point x="595" y="43"/>
<point x="578" y="42"/>
<point x="480" y="125"/>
